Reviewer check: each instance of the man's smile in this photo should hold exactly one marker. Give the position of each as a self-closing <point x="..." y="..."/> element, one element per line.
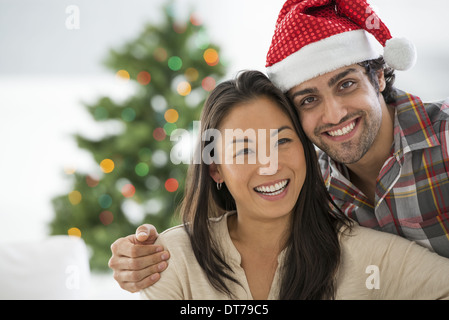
<point x="342" y="132"/>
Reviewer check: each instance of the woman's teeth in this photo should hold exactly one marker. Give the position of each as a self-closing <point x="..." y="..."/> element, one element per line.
<point x="274" y="189"/>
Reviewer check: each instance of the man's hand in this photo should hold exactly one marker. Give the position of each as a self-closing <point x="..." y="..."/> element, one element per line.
<point x="136" y="261"/>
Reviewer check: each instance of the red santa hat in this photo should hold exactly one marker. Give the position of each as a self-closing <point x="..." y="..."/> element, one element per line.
<point x="314" y="37"/>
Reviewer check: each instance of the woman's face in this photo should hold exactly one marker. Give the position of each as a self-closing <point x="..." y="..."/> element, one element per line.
<point x="253" y="132"/>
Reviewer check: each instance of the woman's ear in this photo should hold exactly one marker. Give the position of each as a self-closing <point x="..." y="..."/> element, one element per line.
<point x="215" y="172"/>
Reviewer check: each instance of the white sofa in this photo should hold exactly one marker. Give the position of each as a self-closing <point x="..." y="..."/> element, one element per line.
<point x="56" y="267"/>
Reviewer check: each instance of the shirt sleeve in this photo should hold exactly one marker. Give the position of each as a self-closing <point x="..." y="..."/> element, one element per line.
<point x="406" y="269"/>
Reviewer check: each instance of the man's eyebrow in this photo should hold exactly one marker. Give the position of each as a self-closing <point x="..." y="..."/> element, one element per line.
<point x="303" y="92"/>
<point x="330" y="83"/>
<point x="340" y="76"/>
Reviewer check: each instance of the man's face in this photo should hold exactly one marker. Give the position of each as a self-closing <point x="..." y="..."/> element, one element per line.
<point x="341" y="112"/>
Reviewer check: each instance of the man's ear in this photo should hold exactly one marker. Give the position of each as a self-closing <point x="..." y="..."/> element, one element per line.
<point x="214" y="172"/>
<point x="381" y="80"/>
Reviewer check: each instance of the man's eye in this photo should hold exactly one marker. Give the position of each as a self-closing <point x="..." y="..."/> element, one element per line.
<point x="346" y="84"/>
<point x="308" y="100"/>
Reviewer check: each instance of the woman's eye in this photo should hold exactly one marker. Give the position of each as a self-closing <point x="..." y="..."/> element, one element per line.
<point x="282" y="141"/>
<point x="244" y="151"/>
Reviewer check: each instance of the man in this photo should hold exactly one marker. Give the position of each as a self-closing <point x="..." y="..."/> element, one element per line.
<point x="384" y="158"/>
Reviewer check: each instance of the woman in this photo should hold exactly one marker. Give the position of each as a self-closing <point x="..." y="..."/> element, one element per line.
<point x="253" y="234"/>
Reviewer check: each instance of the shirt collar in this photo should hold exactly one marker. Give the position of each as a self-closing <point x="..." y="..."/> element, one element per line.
<point x="413" y="129"/>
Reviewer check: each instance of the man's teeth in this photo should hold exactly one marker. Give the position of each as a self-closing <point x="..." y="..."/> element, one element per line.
<point x="342" y="131"/>
<point x="274" y="189"/>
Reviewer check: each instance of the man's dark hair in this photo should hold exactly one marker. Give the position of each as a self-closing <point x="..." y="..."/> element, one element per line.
<point x="372" y="67"/>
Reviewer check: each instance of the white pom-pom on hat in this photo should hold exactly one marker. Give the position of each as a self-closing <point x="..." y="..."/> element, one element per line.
<point x="400" y="53"/>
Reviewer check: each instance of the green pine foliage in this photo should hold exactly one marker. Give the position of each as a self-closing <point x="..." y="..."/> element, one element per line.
<point x="173" y="66"/>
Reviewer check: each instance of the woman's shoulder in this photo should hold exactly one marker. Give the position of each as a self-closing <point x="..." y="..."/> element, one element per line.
<point x="178" y="235"/>
<point x="173" y="238"/>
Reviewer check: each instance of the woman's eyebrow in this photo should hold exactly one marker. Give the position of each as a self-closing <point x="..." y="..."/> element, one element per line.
<point x="241" y="140"/>
<point x="246" y="139"/>
<point x="280" y="129"/>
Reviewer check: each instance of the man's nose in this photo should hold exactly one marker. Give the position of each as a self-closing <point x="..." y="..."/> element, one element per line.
<point x="333" y="110"/>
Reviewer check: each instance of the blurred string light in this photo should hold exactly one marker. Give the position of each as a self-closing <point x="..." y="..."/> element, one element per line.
<point x="184" y="88"/>
<point x="208" y="83"/>
<point x="107" y="165"/>
<point x="175" y="63"/>
<point x="169" y="128"/>
<point x="74" y="232"/>
<point x="106" y="217"/>
<point x="91" y="181"/>
<point x="105" y="201"/>
<point x="144" y="78"/>
<point x="171" y="115"/>
<point x="133" y="211"/>
<point x="122" y="75"/>
<point x="75" y="197"/>
<point x="159" y="158"/>
<point x="160" y="54"/>
<point x="158" y="103"/>
<point x="171" y="185"/>
<point x="179" y="27"/>
<point x="152" y="183"/>
<point x="128" y="114"/>
<point x="195" y="20"/>
<point x="191" y="74"/>
<point x="159" y="134"/>
<point x="211" y="57"/>
<point x="128" y="190"/>
<point x="142" y="169"/>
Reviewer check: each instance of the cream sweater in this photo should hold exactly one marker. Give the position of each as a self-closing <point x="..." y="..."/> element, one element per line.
<point x="375" y="265"/>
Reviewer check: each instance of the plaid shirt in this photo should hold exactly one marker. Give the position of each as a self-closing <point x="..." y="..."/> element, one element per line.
<point x="412" y="190"/>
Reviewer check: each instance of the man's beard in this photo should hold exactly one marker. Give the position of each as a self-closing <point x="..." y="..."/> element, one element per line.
<point x="351" y="151"/>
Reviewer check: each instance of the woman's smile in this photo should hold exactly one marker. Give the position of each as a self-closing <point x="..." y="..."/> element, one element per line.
<point x="273" y="190"/>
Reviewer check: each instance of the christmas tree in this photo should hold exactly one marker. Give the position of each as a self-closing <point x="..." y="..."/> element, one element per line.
<point x="174" y="66"/>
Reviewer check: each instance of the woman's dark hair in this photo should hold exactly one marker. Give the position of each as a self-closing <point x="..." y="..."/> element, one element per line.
<point x="372" y="67"/>
<point x="312" y="249"/>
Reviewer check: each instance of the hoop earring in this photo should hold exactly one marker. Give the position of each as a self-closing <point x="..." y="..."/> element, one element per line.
<point x="219" y="185"/>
